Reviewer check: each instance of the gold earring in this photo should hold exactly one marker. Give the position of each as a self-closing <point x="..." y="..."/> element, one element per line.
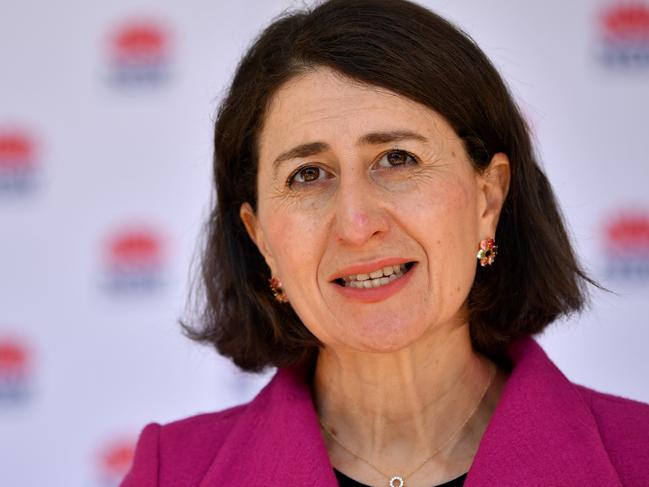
<point x="276" y="287"/>
<point x="488" y="251"/>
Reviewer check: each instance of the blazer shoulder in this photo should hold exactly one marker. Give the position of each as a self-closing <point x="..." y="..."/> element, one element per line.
<point x="215" y="425"/>
<point x="180" y="452"/>
<point x="618" y="410"/>
<point x="624" y="428"/>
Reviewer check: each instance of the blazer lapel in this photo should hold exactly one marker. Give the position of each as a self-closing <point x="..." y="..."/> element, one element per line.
<point x="541" y="433"/>
<point x="276" y="441"/>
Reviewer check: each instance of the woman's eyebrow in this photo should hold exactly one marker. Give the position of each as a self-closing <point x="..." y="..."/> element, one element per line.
<point x="372" y="138"/>
<point x="375" y="138"/>
<point x="302" y="150"/>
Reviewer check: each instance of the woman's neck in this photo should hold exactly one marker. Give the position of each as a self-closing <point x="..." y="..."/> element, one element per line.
<point x="395" y="410"/>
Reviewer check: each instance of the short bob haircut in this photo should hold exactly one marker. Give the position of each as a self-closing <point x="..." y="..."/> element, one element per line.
<point x="405" y="48"/>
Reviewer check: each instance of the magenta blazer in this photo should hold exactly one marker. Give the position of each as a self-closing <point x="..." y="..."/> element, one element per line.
<point x="545" y="432"/>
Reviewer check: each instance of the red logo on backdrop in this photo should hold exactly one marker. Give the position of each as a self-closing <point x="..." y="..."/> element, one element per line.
<point x="140" y="54"/>
<point x="624" y="35"/>
<point x="627" y="246"/>
<point x="17" y="161"/>
<point x="114" y="461"/>
<point x="15" y="371"/>
<point x="134" y="260"/>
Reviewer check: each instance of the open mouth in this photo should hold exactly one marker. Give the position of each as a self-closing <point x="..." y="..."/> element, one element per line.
<point x="377" y="278"/>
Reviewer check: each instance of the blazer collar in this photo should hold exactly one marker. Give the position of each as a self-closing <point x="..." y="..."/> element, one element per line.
<point x="276" y="441"/>
<point x="541" y="433"/>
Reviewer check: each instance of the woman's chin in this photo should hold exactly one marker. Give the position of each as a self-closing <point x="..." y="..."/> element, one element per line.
<point x="377" y="337"/>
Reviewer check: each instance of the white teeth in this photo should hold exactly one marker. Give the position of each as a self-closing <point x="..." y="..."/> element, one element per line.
<point x="376" y="274"/>
<point x="379" y="277"/>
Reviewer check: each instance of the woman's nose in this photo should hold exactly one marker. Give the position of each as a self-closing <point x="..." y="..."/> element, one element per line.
<point x="360" y="215"/>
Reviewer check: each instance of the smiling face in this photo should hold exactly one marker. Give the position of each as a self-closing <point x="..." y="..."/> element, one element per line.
<point x="369" y="212"/>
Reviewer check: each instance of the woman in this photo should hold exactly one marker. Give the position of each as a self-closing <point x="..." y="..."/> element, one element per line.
<point x="366" y="154"/>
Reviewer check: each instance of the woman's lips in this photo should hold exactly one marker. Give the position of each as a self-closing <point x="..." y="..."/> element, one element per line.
<point x="379" y="277"/>
<point x="369" y="267"/>
<point x="375" y="294"/>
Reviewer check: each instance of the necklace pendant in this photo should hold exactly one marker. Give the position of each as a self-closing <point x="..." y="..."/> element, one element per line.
<point x="396" y="481"/>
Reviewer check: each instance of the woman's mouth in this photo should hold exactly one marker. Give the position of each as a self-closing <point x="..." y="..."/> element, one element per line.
<point x="377" y="278"/>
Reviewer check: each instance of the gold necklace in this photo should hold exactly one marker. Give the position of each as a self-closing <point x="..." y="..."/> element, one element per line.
<point x="398" y="480"/>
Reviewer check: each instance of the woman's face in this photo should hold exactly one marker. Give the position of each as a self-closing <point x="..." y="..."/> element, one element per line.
<point x="369" y="212"/>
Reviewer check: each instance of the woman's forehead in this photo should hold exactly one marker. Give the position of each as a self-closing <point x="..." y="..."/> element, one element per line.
<point x="324" y="103"/>
<point x="325" y="93"/>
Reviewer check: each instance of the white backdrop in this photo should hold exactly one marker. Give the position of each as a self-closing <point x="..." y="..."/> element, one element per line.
<point x="106" y="112"/>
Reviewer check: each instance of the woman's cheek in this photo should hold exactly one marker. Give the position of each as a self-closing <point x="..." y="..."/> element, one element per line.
<point x="294" y="241"/>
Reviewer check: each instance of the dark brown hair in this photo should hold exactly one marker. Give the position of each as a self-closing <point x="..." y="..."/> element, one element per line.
<point x="409" y="50"/>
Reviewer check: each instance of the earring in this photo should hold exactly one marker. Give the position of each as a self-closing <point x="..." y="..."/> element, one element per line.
<point x="488" y="251"/>
<point x="276" y="287"/>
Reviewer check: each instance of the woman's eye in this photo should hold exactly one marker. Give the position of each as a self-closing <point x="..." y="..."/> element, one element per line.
<point x="396" y="158"/>
<point x="306" y="175"/>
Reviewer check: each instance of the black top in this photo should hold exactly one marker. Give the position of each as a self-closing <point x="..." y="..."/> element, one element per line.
<point x="344" y="481"/>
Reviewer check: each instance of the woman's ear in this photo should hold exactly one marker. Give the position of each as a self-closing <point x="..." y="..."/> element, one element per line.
<point x="493" y="184"/>
<point x="256" y="233"/>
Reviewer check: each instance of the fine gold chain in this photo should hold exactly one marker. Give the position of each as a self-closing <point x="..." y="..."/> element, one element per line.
<point x="398" y="478"/>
